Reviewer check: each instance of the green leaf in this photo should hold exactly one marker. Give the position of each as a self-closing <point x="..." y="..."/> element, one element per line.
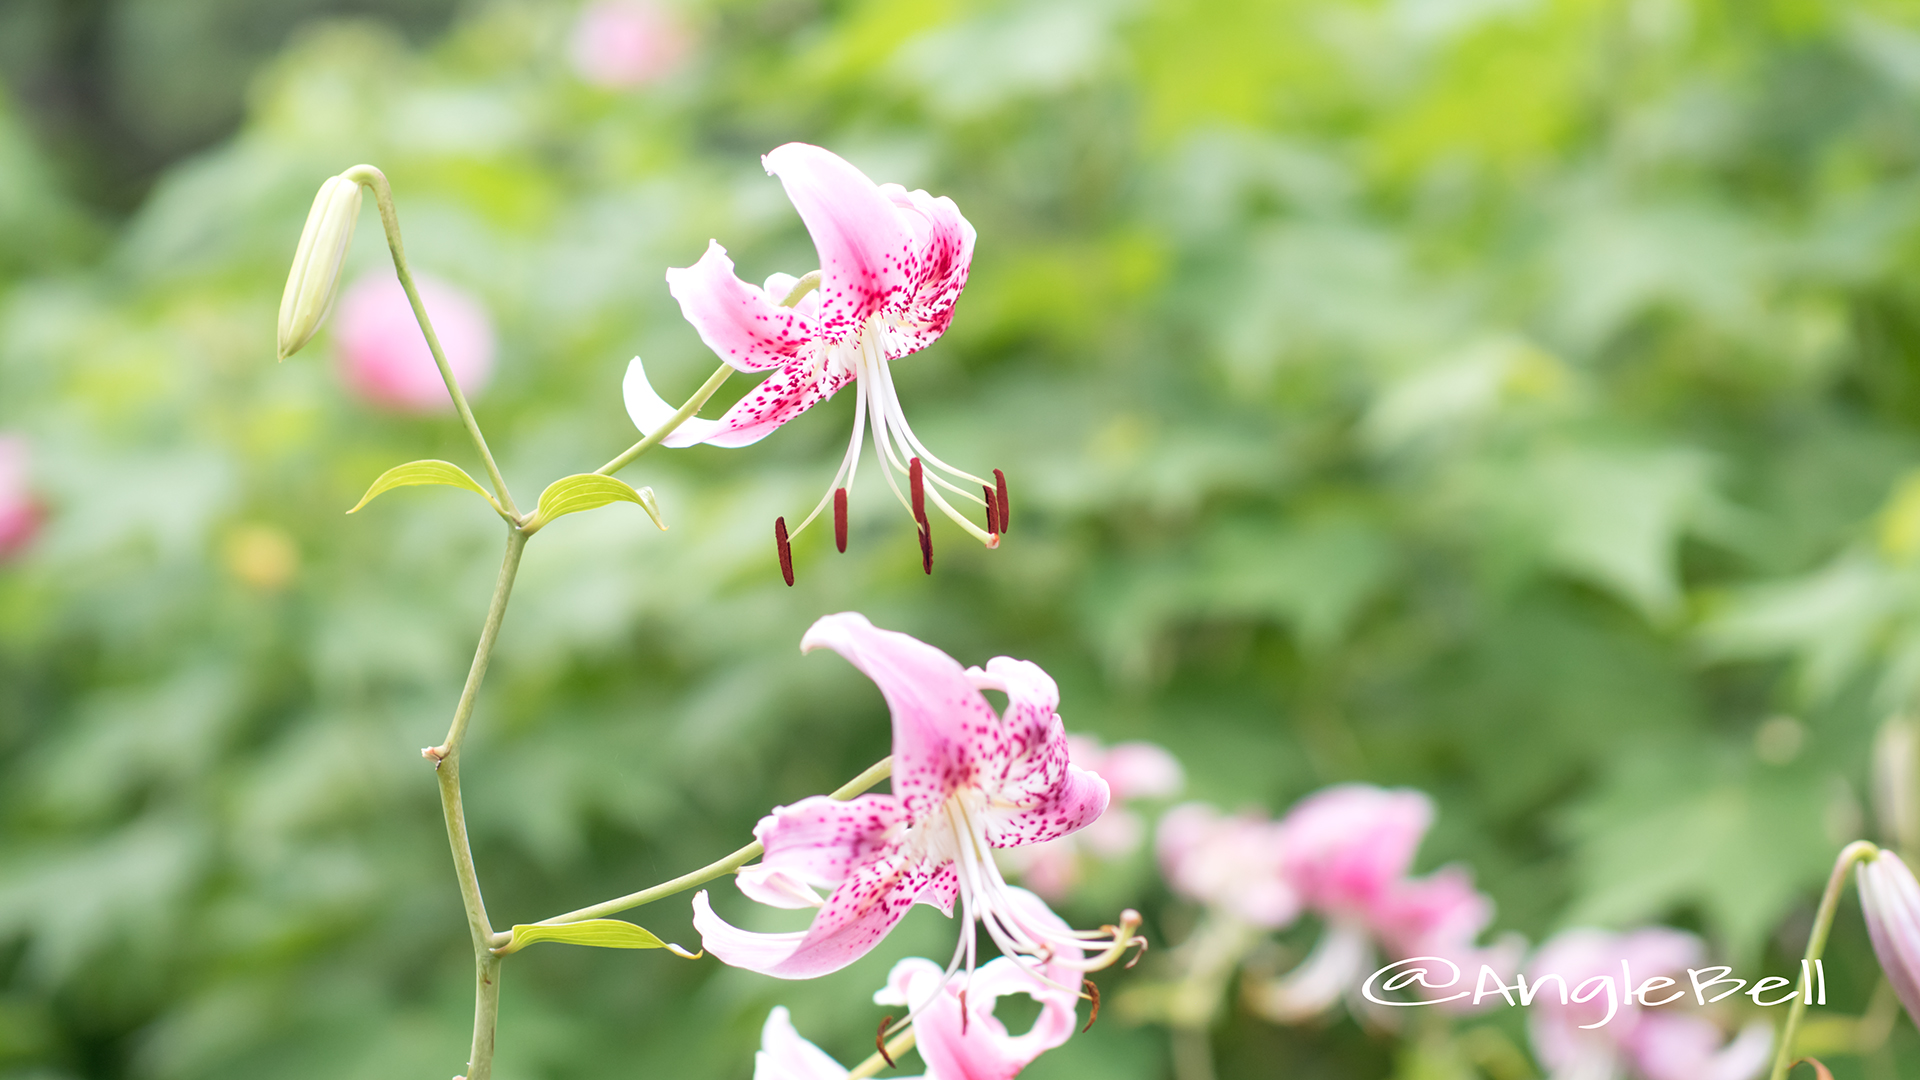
<point x="444" y="473"/>
<point x="590" y="491"/>
<point x="599" y="933"/>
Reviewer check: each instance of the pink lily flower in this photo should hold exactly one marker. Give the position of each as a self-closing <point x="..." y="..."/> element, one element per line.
<point x="1675" y="1041"/>
<point x="384" y="356"/>
<point x="1132" y="770"/>
<point x="965" y="781"/>
<point x="892" y="264"/>
<point x="1229" y="864"/>
<point x="954" y="1029"/>
<point x="620" y="44"/>
<point x="1890" y="899"/>
<point x="20" y="511"/>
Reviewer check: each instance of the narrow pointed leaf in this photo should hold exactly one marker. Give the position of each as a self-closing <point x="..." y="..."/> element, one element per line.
<point x="599" y="933"/>
<point x="444" y="473"/>
<point x="590" y="491"/>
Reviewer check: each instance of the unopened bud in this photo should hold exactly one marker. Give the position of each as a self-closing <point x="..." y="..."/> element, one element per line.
<point x="315" y="279"/>
<point x="1890" y="899"/>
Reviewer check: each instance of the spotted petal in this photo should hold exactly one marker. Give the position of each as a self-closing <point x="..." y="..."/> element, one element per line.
<point x="942" y="727"/>
<point x="738" y="321"/>
<point x="816" y="843"/>
<point x="866" y="247"/>
<point x="977" y="1047"/>
<point x="1036" y="793"/>
<point x="943" y="253"/>
<point x="858" y="914"/>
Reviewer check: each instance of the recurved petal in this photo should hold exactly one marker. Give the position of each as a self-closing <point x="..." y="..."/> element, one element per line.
<point x="779" y="398"/>
<point x="942" y="726"/>
<point x="784" y="1055"/>
<point x="737" y="320"/>
<point x="650" y="412"/>
<point x="980" y="1048"/>
<point x="858" y="914"/>
<point x="943" y="253"/>
<point x="1037" y="793"/>
<point x="866" y="248"/>
<point x="816" y="843"/>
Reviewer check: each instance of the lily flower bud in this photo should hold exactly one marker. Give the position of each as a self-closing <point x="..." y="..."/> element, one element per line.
<point x="315" y="278"/>
<point x="1890" y="898"/>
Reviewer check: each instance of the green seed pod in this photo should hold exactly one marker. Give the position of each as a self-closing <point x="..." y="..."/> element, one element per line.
<point x="315" y="279"/>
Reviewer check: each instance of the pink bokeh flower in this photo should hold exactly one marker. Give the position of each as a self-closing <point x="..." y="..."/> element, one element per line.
<point x="621" y="44"/>
<point x="20" y="510"/>
<point x="1229" y="864"/>
<point x="1674" y="1041"/>
<point x="384" y="356"/>
<point x="892" y="265"/>
<point x="1132" y="770"/>
<point x="965" y="781"/>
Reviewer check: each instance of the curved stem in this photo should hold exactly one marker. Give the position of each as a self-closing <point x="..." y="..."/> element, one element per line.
<point x="692" y="406"/>
<point x="874" y="773"/>
<point x="376" y="181"/>
<point x="1783" y="1058"/>
<point x="896" y="1046"/>
<point x="446" y="759"/>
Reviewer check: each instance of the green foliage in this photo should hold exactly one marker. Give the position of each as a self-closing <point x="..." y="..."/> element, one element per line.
<point x="590" y="491"/>
<point x="599" y="933"/>
<point x="1513" y="400"/>
<point x="425" y="472"/>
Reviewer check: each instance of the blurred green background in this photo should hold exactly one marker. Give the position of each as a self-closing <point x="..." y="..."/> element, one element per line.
<point x="1507" y="398"/>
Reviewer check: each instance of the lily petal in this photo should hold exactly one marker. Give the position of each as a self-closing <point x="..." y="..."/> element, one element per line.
<point x="942" y="726"/>
<point x="816" y="843"/>
<point x="650" y="412"/>
<point x="739" y="322"/>
<point x="784" y="1055"/>
<point x="779" y="398"/>
<point x="943" y="245"/>
<point x="866" y="248"/>
<point x="978" y="1047"/>
<point x="858" y="914"/>
<point x="1037" y="793"/>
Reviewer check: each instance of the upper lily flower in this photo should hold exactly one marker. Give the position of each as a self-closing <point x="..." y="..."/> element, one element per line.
<point x="892" y="264"/>
<point x="1133" y="771"/>
<point x="964" y="781"/>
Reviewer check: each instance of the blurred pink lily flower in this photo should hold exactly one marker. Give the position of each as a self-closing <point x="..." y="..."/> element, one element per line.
<point x="1132" y="770"/>
<point x="384" y="356"/>
<point x="1346" y="852"/>
<point x="1890" y="899"/>
<point x="1229" y="864"/>
<point x="20" y="511"/>
<point x="956" y="1032"/>
<point x="964" y="781"/>
<point x="892" y="264"/>
<point x="619" y="44"/>
<point x="1578" y="1041"/>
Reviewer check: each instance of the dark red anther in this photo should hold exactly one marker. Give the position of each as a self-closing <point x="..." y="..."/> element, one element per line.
<point x="840" y="519"/>
<point x="993" y="512"/>
<point x="1000" y="490"/>
<point x="917" y="482"/>
<point x="926" y="548"/>
<point x="786" y="549"/>
<point x="963" y="1014"/>
<point x="880" y="1042"/>
<point x="1093" y="995"/>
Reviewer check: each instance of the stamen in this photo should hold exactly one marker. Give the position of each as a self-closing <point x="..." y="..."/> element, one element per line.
<point x="880" y="1042"/>
<point x="840" y="519"/>
<point x="926" y="547"/>
<point x="917" y="483"/>
<point x="993" y="512"/>
<point x="786" y="549"/>
<point x="963" y="1014"/>
<point x="1000" y="490"/>
<point x="1093" y="994"/>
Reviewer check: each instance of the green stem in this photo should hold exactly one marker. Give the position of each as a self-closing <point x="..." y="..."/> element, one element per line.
<point x="446" y="759"/>
<point x="692" y="406"/>
<point x="376" y="181"/>
<point x="875" y="773"/>
<point x="1783" y="1058"/>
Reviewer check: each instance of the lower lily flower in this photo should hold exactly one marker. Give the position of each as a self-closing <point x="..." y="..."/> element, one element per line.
<point x="965" y="781"/>
<point x="892" y="264"/>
